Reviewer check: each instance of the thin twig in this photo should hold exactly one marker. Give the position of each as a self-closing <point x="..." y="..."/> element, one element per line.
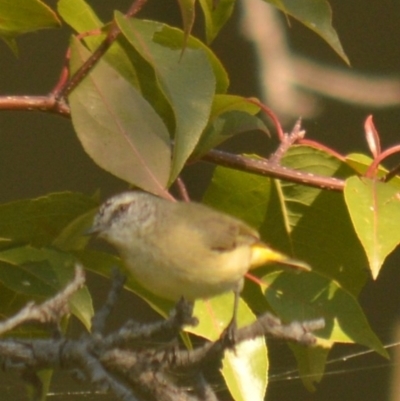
<point x="219" y="157"/>
<point x="88" y="65"/>
<point x="49" y="311"/>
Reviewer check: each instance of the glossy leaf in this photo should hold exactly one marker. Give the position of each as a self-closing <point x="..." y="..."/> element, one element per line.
<point x="118" y="128"/>
<point x="374" y="208"/>
<point x="22" y="16"/>
<point x="187" y="82"/>
<point x="216" y="14"/>
<point x="315" y="15"/>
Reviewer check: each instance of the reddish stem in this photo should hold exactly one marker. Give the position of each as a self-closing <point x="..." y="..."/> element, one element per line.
<point x="271" y="115"/>
<point x="320" y="146"/>
<point x="371" y="172"/>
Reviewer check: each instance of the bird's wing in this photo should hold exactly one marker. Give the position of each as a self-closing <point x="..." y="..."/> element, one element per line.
<point x="218" y="231"/>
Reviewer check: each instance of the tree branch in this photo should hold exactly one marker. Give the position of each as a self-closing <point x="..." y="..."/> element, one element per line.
<point x="117" y="364"/>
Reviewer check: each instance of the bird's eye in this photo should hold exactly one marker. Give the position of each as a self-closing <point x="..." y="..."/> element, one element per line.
<point x="120" y="209"/>
<point x="123" y="207"/>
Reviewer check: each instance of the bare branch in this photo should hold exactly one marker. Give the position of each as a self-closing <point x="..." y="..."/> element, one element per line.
<point x="115" y="363"/>
<point x="50" y="311"/>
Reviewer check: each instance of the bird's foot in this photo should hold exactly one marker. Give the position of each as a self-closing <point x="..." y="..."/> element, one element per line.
<point x="229" y="335"/>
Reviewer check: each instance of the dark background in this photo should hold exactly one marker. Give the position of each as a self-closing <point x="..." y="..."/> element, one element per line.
<point x="40" y="154"/>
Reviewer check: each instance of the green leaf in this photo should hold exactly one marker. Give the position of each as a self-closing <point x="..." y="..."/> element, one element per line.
<point x="22" y="16"/>
<point x="322" y="233"/>
<point x="243" y="195"/>
<point x="224" y="127"/>
<point x="80" y="16"/>
<point x="230" y="115"/>
<point x="173" y="38"/>
<point x="245" y="370"/>
<point x="309" y="295"/>
<point x="374" y="208"/>
<point x="39" y="221"/>
<point x="315" y="15"/>
<point x="187" y="82"/>
<point x="117" y="127"/>
<point x="311" y="363"/>
<point x="223" y="103"/>
<point x="216" y="14"/>
<point x="360" y="163"/>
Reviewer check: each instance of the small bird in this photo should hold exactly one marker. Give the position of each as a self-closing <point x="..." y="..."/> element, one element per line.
<point x="183" y="249"/>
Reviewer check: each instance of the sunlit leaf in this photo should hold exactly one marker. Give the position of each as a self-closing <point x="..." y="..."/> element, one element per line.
<point x="245" y="370"/>
<point x="374" y="208"/>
